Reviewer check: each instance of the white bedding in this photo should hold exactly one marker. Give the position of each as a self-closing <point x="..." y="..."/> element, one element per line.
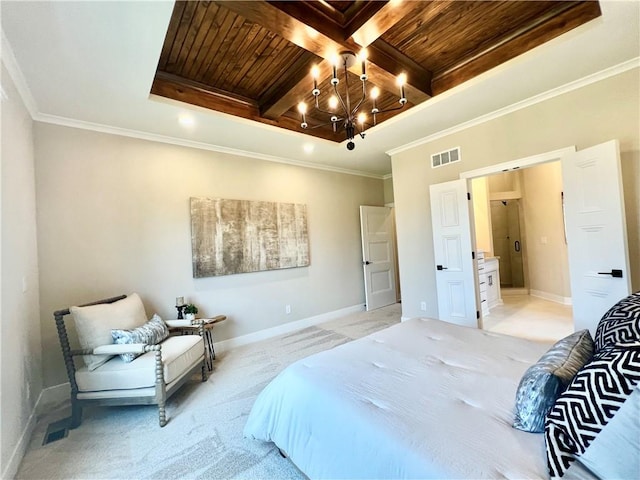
<point x="421" y="399"/>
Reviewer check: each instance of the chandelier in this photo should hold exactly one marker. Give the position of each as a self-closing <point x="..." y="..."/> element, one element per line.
<point x="341" y="112"/>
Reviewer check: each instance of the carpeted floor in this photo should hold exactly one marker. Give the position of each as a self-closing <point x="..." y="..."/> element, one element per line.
<point x="203" y="438"/>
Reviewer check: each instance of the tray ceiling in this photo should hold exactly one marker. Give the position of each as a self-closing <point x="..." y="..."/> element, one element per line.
<point x="252" y="59"/>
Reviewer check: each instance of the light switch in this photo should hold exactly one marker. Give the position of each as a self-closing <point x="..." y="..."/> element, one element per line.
<point x="543" y="240"/>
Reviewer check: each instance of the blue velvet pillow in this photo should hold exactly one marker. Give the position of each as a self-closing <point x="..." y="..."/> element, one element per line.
<point x="544" y="381"/>
<point x="151" y="333"/>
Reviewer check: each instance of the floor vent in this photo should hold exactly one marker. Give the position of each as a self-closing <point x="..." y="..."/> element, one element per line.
<point x="56" y="431"/>
<point x="445" y="158"/>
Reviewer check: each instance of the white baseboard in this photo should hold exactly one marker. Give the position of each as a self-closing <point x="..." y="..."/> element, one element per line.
<point x="551" y="297"/>
<point x="285" y="328"/>
<point x="20" y="449"/>
<point x="53" y="396"/>
<point x="404" y="319"/>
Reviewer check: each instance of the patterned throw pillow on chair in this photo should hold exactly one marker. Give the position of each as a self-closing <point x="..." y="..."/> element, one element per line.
<point x="592" y="399"/>
<point x="151" y="333"/>
<point x="621" y="324"/>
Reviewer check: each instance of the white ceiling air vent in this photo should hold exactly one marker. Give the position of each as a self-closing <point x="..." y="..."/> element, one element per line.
<point x="445" y="158"/>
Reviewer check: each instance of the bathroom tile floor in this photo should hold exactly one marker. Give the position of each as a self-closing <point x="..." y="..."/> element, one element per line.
<point x="530" y="317"/>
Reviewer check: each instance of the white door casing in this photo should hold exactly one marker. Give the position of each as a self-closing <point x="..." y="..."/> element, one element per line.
<point x="378" y="254"/>
<point x="455" y="276"/>
<point x="596" y="232"/>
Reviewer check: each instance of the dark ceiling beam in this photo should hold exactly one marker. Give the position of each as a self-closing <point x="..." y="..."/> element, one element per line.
<point x="391" y="60"/>
<point x="366" y="27"/>
<point x="177" y="88"/>
<point x="323" y="43"/>
<point x="556" y="22"/>
<point x="297" y="86"/>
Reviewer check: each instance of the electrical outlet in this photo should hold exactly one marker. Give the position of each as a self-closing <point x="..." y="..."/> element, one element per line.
<point x="25" y="284"/>
<point x="287" y="309"/>
<point x="423" y="306"/>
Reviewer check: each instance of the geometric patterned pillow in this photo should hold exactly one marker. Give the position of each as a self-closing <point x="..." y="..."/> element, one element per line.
<point x="621" y="324"/>
<point x="592" y="399"/>
<point x="151" y="333"/>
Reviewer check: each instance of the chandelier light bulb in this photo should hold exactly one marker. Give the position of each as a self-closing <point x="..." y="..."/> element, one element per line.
<point x="401" y="81"/>
<point x="344" y="110"/>
<point x="315" y="73"/>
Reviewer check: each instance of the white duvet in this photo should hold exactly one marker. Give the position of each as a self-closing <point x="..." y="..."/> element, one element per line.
<point x="421" y="399"/>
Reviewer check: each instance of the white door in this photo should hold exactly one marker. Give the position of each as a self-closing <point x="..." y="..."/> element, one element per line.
<point x="455" y="277"/>
<point x="378" y="254"/>
<point x="596" y="232"/>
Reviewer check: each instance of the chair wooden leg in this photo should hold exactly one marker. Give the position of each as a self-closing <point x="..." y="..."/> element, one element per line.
<point x="76" y="414"/>
<point x="204" y="373"/>
<point x="162" y="414"/>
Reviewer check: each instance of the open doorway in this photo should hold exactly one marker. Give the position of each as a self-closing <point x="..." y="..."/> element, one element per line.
<point x="518" y="217"/>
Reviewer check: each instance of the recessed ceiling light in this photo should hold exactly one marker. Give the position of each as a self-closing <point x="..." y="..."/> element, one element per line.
<point x="186" y="120"/>
<point x="308" y="147"/>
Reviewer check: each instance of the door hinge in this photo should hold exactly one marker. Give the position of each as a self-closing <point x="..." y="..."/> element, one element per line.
<point x="477" y="314"/>
<point x="473" y="255"/>
<point x="468" y="196"/>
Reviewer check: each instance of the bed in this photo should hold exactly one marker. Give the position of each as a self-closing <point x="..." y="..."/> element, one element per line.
<point x="421" y="399"/>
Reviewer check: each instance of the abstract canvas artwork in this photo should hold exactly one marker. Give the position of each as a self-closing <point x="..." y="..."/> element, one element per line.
<point x="241" y="236"/>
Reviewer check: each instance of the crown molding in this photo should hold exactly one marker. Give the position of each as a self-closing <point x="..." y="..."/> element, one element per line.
<point x="549" y="94"/>
<point x="11" y="64"/>
<point x="153" y="137"/>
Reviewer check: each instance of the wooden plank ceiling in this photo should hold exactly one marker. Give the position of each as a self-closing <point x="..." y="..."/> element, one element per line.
<point x="253" y="59"/>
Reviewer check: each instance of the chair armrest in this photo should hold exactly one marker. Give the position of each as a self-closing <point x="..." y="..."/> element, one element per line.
<point x="179" y="323"/>
<point x="117" y="349"/>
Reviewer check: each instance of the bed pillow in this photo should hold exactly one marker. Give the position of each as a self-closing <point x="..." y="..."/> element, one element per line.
<point x="594" y="396"/>
<point x="622" y="436"/>
<point x="620" y="324"/>
<point x="94" y="324"/>
<point x="151" y="333"/>
<point x="544" y="381"/>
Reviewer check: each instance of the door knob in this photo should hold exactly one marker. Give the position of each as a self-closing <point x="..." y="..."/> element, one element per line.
<point x="440" y="267"/>
<point x="367" y="262"/>
<point x="614" y="273"/>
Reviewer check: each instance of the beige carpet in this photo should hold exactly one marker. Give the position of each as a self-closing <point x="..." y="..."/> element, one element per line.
<point x="203" y="438"/>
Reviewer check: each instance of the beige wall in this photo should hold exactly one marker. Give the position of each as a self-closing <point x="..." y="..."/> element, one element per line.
<point x="113" y="217"/>
<point x="21" y="364"/>
<point x="482" y="215"/>
<point x="584" y="117"/>
<point x="545" y="246"/>
<point x="388" y="190"/>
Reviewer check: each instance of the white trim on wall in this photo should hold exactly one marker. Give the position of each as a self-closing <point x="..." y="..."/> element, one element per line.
<point x="53" y="396"/>
<point x="519" y="163"/>
<point x="583" y="82"/>
<point x="20" y="449"/>
<point x="285" y="328"/>
<point x="551" y="297"/>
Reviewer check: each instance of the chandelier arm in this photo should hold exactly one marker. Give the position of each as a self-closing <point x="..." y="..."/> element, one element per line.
<point x="390" y="109"/>
<point x="335" y="89"/>
<point x="326" y="112"/>
<point x="319" y="126"/>
<point x="358" y="130"/>
<point x="364" y="97"/>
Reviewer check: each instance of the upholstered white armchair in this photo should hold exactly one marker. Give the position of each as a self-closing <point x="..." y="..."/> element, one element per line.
<point x="126" y="358"/>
